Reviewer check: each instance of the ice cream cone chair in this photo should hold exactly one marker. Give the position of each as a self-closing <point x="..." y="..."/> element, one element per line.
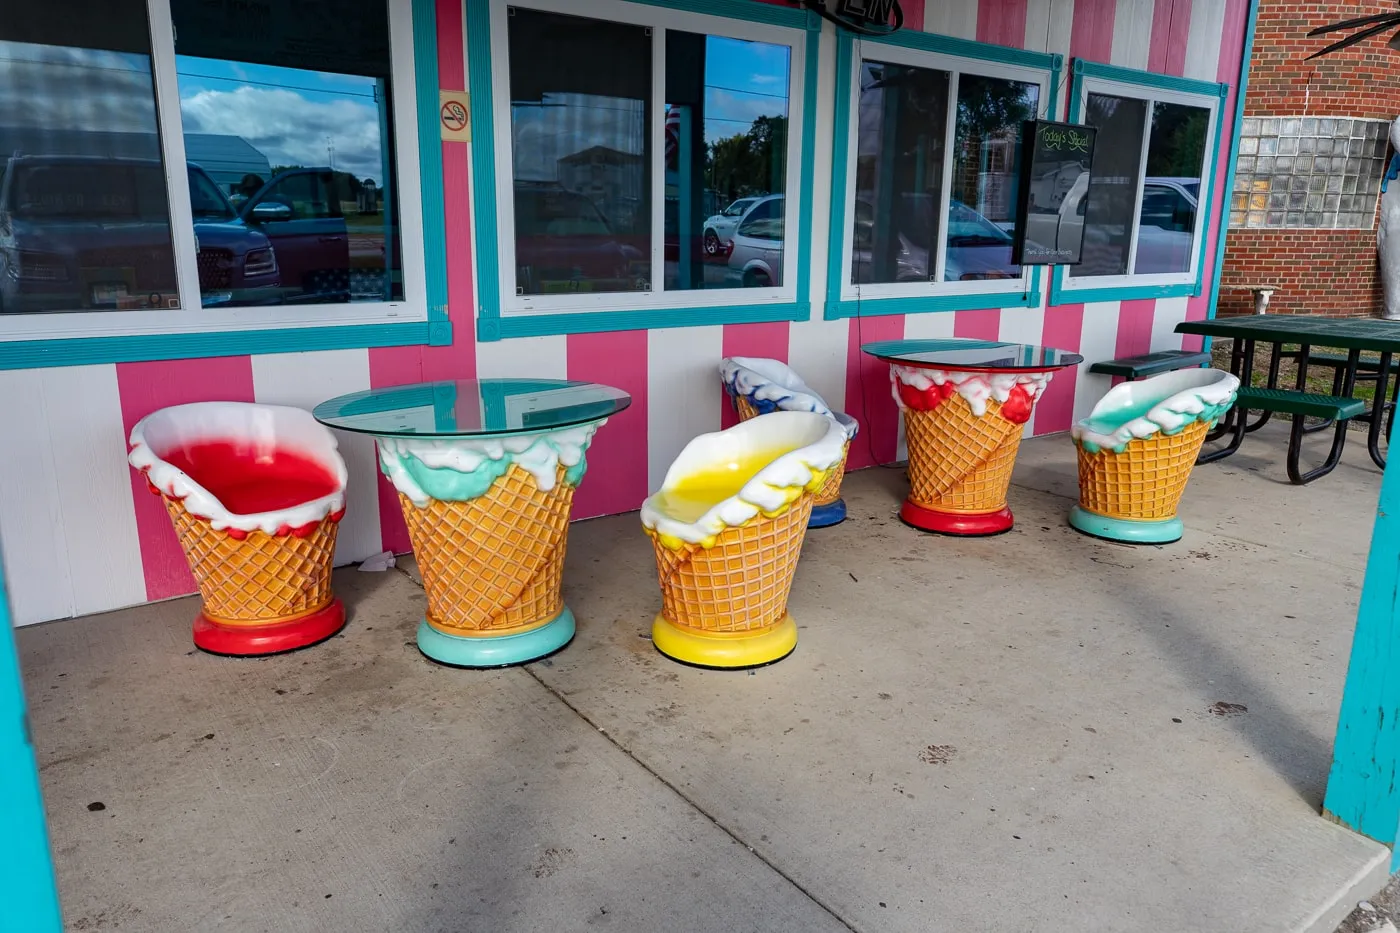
<point x="256" y="494"/>
<point x="727" y="528"/>
<point x="1136" y="450"/>
<point x="757" y="386"/>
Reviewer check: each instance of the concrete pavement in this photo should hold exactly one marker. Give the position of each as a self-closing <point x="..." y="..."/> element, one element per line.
<point x="1038" y="731"/>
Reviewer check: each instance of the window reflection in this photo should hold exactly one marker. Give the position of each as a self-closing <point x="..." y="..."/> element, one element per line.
<point x="84" y="217"/>
<point x="1106" y="204"/>
<point x="986" y="167"/>
<point x="1167" y="219"/>
<point x="288" y="134"/>
<point x="726" y="157"/>
<point x="1170" y="180"/>
<point x="580" y="159"/>
<point x="899" y="172"/>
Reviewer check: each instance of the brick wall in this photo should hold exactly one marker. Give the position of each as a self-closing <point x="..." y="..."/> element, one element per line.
<point x="1329" y="272"/>
<point x="1362" y="81"/>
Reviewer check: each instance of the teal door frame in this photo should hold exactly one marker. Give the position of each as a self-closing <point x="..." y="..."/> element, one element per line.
<point x="28" y="893"/>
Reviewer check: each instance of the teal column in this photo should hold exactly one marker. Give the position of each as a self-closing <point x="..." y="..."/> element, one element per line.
<point x="1361" y="788"/>
<point x="28" y="894"/>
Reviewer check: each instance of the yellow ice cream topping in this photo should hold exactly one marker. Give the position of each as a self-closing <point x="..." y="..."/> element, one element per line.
<point x="694" y="495"/>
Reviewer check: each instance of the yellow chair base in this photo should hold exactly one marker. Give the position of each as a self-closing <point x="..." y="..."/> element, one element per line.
<point x="726" y="650"/>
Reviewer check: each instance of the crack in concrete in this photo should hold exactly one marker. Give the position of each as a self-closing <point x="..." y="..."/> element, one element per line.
<point x="694" y="805"/>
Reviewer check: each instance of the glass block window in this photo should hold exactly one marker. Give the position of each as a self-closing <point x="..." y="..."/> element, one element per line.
<point x="1308" y="172"/>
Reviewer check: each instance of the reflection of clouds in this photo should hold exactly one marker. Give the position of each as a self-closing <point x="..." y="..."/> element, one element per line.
<point x="567" y="123"/>
<point x="730" y="114"/>
<point x="290" y="129"/>
<point x="59" y="88"/>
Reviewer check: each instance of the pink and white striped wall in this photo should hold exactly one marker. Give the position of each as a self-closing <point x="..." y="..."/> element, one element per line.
<point x="82" y="534"/>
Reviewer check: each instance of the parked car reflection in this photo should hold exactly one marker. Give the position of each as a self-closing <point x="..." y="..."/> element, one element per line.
<point x="90" y="233"/>
<point x="1166" y="228"/>
<point x="977" y="248"/>
<point x="756" y="258"/>
<point x="719" y="229"/>
<point x="563" y="243"/>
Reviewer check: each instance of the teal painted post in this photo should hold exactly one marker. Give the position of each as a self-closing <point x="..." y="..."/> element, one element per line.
<point x="1361" y="788"/>
<point x="28" y="894"/>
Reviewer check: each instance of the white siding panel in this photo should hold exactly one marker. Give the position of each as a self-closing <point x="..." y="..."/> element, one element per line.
<point x="31" y="508"/>
<point x="1132" y="33"/>
<point x="93" y="482"/>
<point x="304" y="380"/>
<point x="951" y="18"/>
<point x="523" y="357"/>
<point x="817" y="351"/>
<point x="684" y="397"/>
<point x="1203" y="39"/>
<point x="1099" y="341"/>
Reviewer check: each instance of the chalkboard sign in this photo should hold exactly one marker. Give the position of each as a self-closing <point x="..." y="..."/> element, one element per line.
<point x="1054" y="192"/>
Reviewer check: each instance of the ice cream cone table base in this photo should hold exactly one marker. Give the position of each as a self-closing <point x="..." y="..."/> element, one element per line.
<point x="502" y="650"/>
<point x="965" y="404"/>
<point x="485" y="473"/>
<point x="961" y="524"/>
<point x="1126" y="530"/>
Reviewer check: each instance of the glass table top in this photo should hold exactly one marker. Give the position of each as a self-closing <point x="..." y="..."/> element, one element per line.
<point x="980" y="355"/>
<point x="471" y="407"/>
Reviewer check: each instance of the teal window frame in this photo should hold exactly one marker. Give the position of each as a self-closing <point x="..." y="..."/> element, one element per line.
<point x="837" y="307"/>
<point x="492" y="325"/>
<point x="436" y="330"/>
<point x="1149" y="81"/>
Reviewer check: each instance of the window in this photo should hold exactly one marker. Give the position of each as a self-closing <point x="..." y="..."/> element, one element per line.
<point x="1143" y="214"/>
<point x="1309" y="172"/>
<point x="656" y="176"/>
<point x="285" y="209"/>
<point x="934" y="154"/>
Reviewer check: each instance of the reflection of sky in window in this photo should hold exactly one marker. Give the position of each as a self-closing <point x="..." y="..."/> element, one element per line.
<point x="743" y="81"/>
<point x="288" y="114"/>
<point x="60" y="88"/>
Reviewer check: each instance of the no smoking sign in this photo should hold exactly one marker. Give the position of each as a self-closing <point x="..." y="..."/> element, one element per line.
<point x="454" y="116"/>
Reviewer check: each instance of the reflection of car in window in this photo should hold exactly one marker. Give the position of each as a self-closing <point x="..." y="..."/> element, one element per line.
<point x="719" y="229"/>
<point x="564" y="243"/>
<point x="977" y="248"/>
<point x="756" y="257"/>
<point x="86" y="232"/>
<point x="1166" y="226"/>
<point x="299" y="211"/>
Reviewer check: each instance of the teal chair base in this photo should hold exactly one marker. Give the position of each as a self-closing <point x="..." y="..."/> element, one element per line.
<point x="500" y="650"/>
<point x="1124" y="530"/>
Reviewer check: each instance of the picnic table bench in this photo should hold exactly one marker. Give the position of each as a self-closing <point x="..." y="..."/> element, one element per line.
<point x="1354" y="335"/>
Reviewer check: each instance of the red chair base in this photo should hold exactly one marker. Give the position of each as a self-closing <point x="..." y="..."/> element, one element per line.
<point x="253" y="640"/>
<point x="962" y="524"/>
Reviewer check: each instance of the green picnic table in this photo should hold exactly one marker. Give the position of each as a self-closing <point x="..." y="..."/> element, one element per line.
<point x="1354" y="335"/>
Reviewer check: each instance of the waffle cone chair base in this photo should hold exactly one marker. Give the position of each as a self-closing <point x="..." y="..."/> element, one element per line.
<point x="1136" y="451"/>
<point x="727" y="529"/>
<point x="255" y="494"/>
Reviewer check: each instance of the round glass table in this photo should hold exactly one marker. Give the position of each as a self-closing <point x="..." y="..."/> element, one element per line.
<point x="485" y="472"/>
<point x="965" y="404"/>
